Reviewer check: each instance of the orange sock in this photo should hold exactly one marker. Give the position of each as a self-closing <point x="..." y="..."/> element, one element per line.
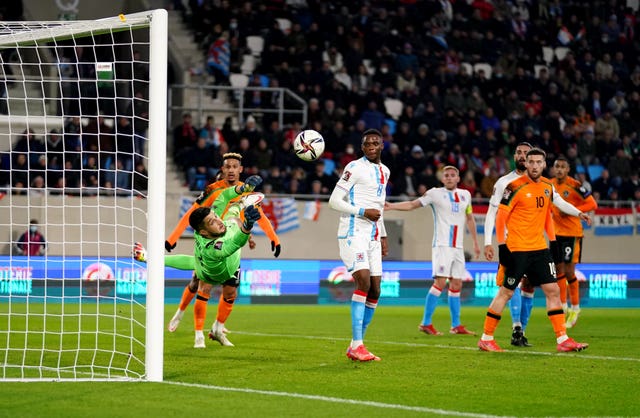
<point x="491" y="322"/>
<point x="574" y="291"/>
<point x="556" y="317"/>
<point x="187" y="297"/>
<point x="562" y="283"/>
<point x="224" y="309"/>
<point x="200" y="311"/>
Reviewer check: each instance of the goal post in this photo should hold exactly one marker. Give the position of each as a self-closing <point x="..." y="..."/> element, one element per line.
<point x="83" y="155"/>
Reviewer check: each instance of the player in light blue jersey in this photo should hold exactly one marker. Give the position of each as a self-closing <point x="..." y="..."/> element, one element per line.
<point x="359" y="195"/>
<point x="452" y="210"/>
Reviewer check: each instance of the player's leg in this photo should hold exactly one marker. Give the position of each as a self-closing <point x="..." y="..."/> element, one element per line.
<point x="200" y="311"/>
<point x="225" y="306"/>
<point x="458" y="271"/>
<point x="430" y="303"/>
<point x="510" y="280"/>
<point x="188" y="294"/>
<point x="526" y="294"/>
<point x="375" y="273"/>
<point x="354" y="256"/>
<point x="574" y="285"/>
<point x="540" y="269"/>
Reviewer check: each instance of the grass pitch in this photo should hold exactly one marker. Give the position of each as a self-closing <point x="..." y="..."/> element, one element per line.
<point x="290" y="361"/>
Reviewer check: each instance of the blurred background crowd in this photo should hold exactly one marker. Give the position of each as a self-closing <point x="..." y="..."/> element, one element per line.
<point x="456" y="82"/>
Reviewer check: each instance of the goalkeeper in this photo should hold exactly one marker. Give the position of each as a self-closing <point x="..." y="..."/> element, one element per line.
<point x="231" y="170"/>
<point x="216" y="258"/>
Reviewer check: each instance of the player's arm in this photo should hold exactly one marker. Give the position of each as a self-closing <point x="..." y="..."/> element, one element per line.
<point x="205" y="199"/>
<point x="404" y="206"/>
<point x="267" y="227"/>
<point x="180" y="261"/>
<point x="338" y="202"/>
<point x="471" y="225"/>
<point x="504" y="255"/>
<point x="564" y="206"/>
<point x="490" y="219"/>
<point x="588" y="204"/>
<point x="550" y="229"/>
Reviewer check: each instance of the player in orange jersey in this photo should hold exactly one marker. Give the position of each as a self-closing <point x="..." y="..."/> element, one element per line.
<point x="525" y="210"/>
<point x="231" y="170"/>
<point x="569" y="234"/>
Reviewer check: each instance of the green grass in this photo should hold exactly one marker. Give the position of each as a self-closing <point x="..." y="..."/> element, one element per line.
<point x="289" y="361"/>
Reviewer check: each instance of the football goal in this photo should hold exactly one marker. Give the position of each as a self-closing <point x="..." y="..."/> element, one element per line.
<point x="82" y="177"/>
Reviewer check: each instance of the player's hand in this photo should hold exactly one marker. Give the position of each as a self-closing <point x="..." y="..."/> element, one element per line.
<point x="275" y="248"/>
<point x="250" y="184"/>
<point x="168" y="246"/>
<point x="251" y="216"/>
<point x="504" y="255"/>
<point x="476" y="250"/>
<point x="372" y="214"/>
<point x="583" y="216"/>
<point x="139" y="252"/>
<point x="556" y="254"/>
<point x="489" y="252"/>
<point x="384" y="246"/>
<point x="252" y="243"/>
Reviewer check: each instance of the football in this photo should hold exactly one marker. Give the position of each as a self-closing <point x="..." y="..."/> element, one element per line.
<point x="308" y="145"/>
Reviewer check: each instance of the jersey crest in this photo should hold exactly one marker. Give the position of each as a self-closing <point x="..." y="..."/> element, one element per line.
<point x="346" y="176"/>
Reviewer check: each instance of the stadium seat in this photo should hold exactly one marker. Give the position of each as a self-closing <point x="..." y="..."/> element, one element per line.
<point x="285" y="25"/>
<point x="393" y="107"/>
<point x="248" y="64"/>
<point x="561" y="52"/>
<point x="467" y="67"/>
<point x="392" y="125"/>
<point x="538" y="68"/>
<point x="485" y="67"/>
<point x="595" y="171"/>
<point x="255" y="44"/>
<point x="329" y="166"/>
<point x="239" y="80"/>
<point x="547" y="54"/>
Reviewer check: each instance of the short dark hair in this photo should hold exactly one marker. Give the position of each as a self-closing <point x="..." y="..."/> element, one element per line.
<point x="197" y="217"/>
<point x="537" y="151"/>
<point x="524" y="143"/>
<point x="562" y="158"/>
<point x="371" y="132"/>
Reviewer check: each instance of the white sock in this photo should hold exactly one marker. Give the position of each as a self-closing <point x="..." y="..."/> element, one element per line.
<point x="356" y="343"/>
<point x="199" y="334"/>
<point x="562" y="338"/>
<point x="486" y="337"/>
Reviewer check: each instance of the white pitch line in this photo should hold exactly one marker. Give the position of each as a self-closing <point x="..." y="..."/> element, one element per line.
<point x="337" y="400"/>
<point x="407" y="344"/>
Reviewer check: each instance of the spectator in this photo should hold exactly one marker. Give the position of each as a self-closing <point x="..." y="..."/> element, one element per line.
<point x="199" y="165"/>
<point x="184" y="137"/>
<point x="212" y="134"/>
<point x="602" y="184"/>
<point x="31" y="242"/>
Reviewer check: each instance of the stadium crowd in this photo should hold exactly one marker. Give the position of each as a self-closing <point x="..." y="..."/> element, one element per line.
<point x="351" y="61"/>
<point x="347" y="58"/>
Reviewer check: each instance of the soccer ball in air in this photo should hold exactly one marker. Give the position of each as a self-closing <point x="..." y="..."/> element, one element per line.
<point x="308" y="145"/>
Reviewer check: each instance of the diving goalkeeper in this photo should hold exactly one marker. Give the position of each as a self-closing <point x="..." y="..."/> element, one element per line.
<point x="216" y="259"/>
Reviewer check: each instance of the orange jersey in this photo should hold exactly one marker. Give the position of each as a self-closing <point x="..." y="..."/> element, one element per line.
<point x="526" y="211"/>
<point x="572" y="191"/>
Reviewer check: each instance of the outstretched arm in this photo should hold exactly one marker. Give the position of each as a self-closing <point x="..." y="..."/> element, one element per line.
<point x="267" y="227"/>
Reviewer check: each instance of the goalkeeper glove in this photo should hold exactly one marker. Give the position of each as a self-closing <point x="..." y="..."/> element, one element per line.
<point x="556" y="254"/>
<point x="139" y="252"/>
<point x="504" y="255"/>
<point x="168" y="246"/>
<point x="275" y="248"/>
<point x="251" y="215"/>
<point x="250" y="184"/>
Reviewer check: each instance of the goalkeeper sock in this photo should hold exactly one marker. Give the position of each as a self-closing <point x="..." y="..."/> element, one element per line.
<point x="200" y="311"/>
<point x="224" y="309"/>
<point x="187" y="297"/>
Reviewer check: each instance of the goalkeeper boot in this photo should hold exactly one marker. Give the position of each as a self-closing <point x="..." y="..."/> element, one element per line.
<point x="572" y="317"/>
<point x="220" y="337"/>
<point x="175" y="321"/>
<point x="199" y="340"/>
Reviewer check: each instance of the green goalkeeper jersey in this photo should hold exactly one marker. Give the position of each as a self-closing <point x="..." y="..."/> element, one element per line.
<point x="217" y="260"/>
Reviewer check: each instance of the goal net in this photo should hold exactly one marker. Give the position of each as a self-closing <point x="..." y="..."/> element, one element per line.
<point x="82" y="177"/>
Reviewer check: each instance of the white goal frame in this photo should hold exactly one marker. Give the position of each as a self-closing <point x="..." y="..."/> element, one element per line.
<point x="154" y="231"/>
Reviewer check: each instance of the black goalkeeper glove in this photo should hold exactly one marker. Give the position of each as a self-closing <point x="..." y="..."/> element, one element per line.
<point x="556" y="254"/>
<point x="275" y="248"/>
<point x="168" y="246"/>
<point x="251" y="216"/>
<point x="250" y="184"/>
<point x="504" y="255"/>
